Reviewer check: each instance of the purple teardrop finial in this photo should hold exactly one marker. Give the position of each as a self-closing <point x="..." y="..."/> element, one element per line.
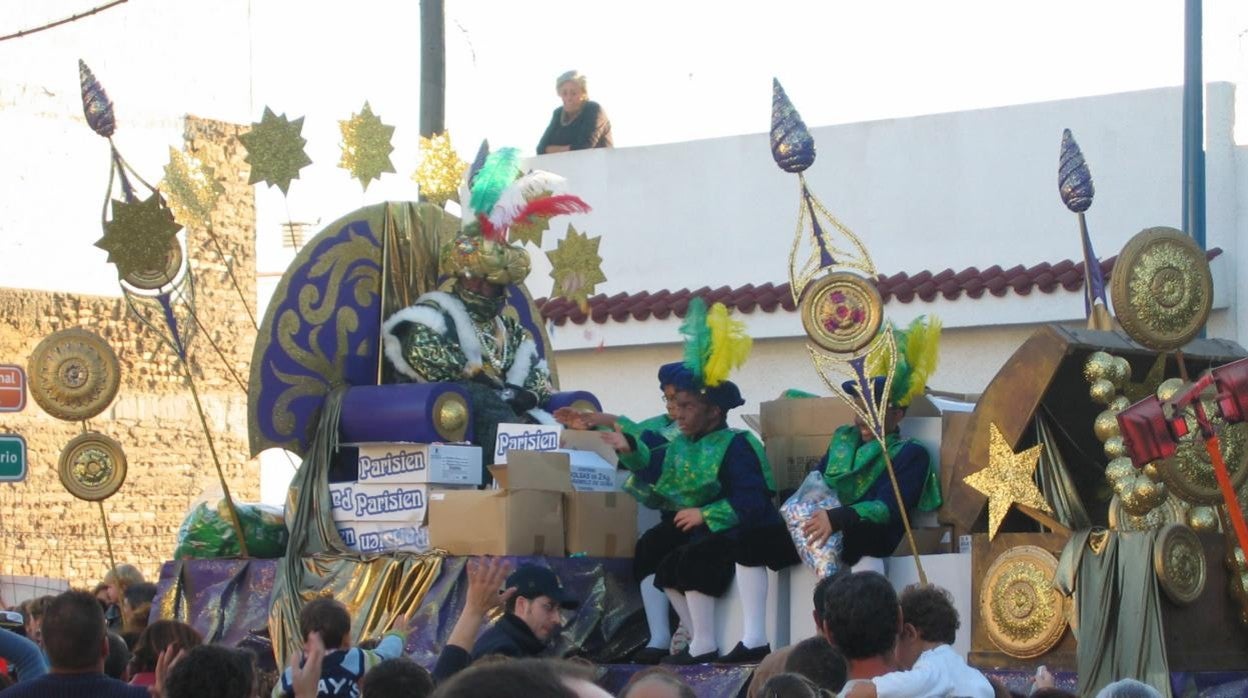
<point x="792" y="146"/>
<point x="1074" y="180"/>
<point x="96" y="105"/>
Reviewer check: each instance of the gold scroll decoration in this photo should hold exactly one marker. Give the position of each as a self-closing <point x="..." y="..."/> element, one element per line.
<point x="841" y="312"/>
<point x="74" y="374"/>
<point x="1162" y="288"/>
<point x="92" y="467"/>
<point x="1024" y="614"/>
<point x="1179" y="561"/>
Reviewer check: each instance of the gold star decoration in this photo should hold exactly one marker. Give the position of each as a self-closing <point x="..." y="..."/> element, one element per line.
<point x="440" y="169"/>
<point x="576" y="267"/>
<point x="275" y="150"/>
<point x="192" y="189"/>
<point x="137" y="239"/>
<point x="1147" y="387"/>
<point x="366" y="146"/>
<point x="531" y="228"/>
<point x="1007" y="480"/>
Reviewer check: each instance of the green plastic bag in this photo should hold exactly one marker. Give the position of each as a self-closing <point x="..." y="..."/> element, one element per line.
<point x="207" y="532"/>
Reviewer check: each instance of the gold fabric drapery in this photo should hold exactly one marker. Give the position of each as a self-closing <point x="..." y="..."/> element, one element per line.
<point x="377" y="590"/>
<point x="1117" y="608"/>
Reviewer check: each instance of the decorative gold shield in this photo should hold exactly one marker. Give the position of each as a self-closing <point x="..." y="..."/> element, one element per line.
<point x="92" y="467"/>
<point x="1024" y="614"/>
<point x="74" y="374"/>
<point x="1162" y="288"/>
<point x="841" y="312"/>
<point x="1179" y="561"/>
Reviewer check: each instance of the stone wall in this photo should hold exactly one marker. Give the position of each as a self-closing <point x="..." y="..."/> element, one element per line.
<point x="44" y="531"/>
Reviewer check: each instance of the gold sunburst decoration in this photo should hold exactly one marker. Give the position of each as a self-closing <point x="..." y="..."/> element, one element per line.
<point x="191" y="188"/>
<point x="139" y="236"/>
<point x="440" y="170"/>
<point x="366" y="146"/>
<point x="576" y="267"/>
<point x="275" y="150"/>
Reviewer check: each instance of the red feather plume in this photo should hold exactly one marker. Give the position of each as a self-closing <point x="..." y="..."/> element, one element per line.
<point x="551" y="206"/>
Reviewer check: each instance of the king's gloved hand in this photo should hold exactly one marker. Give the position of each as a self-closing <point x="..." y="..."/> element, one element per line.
<point x="518" y="398"/>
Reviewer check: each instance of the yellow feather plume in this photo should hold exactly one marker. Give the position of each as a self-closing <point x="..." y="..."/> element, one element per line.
<point x="730" y="345"/>
<point x="922" y="353"/>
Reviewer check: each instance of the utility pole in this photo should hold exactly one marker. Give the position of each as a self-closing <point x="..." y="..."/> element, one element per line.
<point x="1193" y="124"/>
<point x="432" y="67"/>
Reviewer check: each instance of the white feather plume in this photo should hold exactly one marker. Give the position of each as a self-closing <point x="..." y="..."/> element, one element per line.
<point x="515" y="197"/>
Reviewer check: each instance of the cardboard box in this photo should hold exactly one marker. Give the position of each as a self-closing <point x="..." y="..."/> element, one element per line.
<point x="497" y="522"/>
<point x="353" y="501"/>
<point x="418" y="464"/>
<point x="600" y="524"/>
<point x="523" y="517"/>
<point x="791" y="457"/>
<point x="934" y="540"/>
<point x="952" y="431"/>
<point x="524" y="437"/>
<point x="374" y="537"/>
<point x="593" y="464"/>
<point x="815" y="416"/>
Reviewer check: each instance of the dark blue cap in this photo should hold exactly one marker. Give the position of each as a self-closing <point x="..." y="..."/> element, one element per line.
<point x="670" y="374"/>
<point x="532" y="581"/>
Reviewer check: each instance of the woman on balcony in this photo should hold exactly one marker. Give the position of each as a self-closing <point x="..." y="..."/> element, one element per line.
<point x="579" y="124"/>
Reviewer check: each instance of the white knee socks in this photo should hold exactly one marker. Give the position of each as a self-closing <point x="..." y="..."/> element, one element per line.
<point x="655" y="603"/>
<point x="701" y="623"/>
<point x="752" y="582"/>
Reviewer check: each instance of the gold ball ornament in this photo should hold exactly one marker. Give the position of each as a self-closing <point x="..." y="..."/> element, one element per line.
<point x="1102" y="391"/>
<point x="1151" y="471"/>
<point x="1119" y="404"/>
<point x="1098" y="366"/>
<point x="1202" y="519"/>
<point x="1106" y="425"/>
<point x="1119" y="371"/>
<point x="1118" y="469"/>
<point x="1169" y="388"/>
<point x="1114" y="447"/>
<point x="1170" y="511"/>
<point x="1142" y="496"/>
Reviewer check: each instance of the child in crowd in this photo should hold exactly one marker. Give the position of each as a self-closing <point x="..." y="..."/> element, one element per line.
<point x="925" y="648"/>
<point x="343" y="666"/>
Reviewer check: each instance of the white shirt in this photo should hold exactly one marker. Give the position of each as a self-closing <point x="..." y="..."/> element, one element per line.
<point x="938" y="673"/>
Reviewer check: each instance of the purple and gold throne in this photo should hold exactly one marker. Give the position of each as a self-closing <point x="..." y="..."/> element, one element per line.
<point x="322" y="330"/>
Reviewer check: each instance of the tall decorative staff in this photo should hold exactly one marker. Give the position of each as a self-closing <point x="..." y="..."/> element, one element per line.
<point x="140" y="236"/>
<point x="1074" y="184"/>
<point x="832" y="279"/>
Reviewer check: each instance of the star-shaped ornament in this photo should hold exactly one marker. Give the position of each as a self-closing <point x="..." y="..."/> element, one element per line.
<point x="440" y="169"/>
<point x="531" y="228"/>
<point x="138" y="237"/>
<point x="576" y="267"/>
<point x="275" y="150"/>
<point x="192" y="189"/>
<point x="1147" y="387"/>
<point x="366" y="146"/>
<point x="1007" y="480"/>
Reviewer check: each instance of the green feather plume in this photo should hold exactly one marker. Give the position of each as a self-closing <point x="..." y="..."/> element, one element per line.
<point x="697" y="338"/>
<point x="500" y="169"/>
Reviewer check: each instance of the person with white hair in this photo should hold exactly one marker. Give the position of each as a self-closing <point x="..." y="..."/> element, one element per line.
<point x="1128" y="688"/>
<point x="578" y="124"/>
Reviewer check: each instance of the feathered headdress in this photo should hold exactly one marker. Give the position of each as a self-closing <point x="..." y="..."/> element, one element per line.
<point x="502" y="194"/>
<point x="715" y="344"/>
<point x="917" y="354"/>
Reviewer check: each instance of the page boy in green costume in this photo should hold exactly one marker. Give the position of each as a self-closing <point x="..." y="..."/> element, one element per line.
<point x="854" y="467"/>
<point x="714" y="488"/>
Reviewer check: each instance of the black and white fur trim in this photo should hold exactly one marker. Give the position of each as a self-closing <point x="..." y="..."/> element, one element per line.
<point x="393" y="344"/>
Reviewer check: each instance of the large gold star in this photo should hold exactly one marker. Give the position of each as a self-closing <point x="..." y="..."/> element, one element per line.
<point x="1007" y="480"/>
<point x="366" y="146"/>
<point x="440" y="169"/>
<point x="576" y="267"/>
<point x="192" y="188"/>
<point x="275" y="150"/>
<point x="137" y="239"/>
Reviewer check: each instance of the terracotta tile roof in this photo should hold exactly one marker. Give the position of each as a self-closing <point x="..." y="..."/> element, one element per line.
<point x="1065" y="275"/>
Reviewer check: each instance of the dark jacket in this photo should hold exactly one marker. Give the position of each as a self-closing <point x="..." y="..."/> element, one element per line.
<point x="590" y="129"/>
<point x="509" y="636"/>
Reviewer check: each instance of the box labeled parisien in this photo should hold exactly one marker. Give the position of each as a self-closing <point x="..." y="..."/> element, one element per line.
<point x="383" y="537"/>
<point x="418" y="464"/>
<point x="355" y="502"/>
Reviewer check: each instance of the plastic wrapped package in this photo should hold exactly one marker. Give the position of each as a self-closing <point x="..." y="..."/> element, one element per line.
<point x="813" y="495"/>
<point x="208" y="532"/>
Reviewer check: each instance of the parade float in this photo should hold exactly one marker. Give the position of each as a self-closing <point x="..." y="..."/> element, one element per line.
<point x="1099" y="480"/>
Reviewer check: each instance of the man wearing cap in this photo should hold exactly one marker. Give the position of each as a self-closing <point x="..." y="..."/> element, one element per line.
<point x="854" y="467"/>
<point x="532" y="618"/>
<point x="714" y="488"/>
